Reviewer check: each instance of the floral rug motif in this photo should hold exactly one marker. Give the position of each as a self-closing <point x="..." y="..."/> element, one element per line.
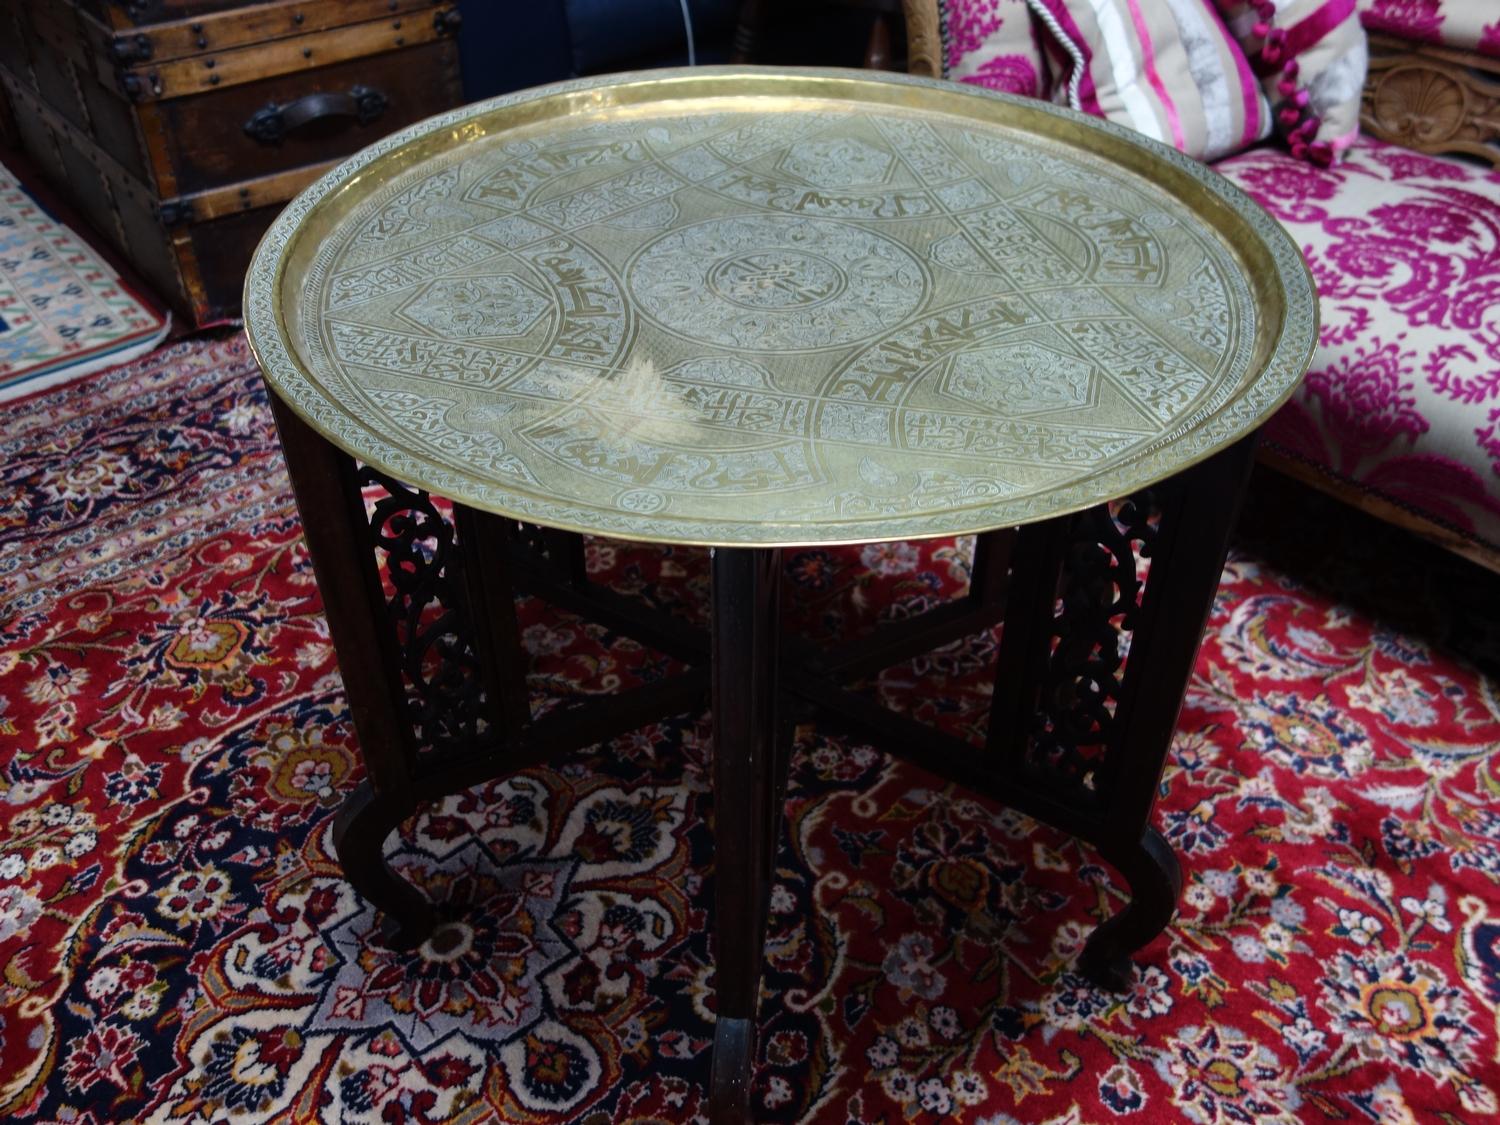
<point x="176" y="944"/>
<point x="63" y="311"/>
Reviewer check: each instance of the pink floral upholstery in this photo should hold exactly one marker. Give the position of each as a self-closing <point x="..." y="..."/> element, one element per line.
<point x="1469" y="25"/>
<point x="991" y="43"/>
<point x="1403" y="397"/>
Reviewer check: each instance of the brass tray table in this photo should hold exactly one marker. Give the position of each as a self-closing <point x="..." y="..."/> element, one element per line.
<point x="753" y="309"/>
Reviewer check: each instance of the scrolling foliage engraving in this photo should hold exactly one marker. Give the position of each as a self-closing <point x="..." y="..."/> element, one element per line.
<point x="1101" y="593"/>
<point x="430" y="615"/>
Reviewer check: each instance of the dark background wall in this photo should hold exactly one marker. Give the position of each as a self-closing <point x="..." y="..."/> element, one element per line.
<point x="511" y="44"/>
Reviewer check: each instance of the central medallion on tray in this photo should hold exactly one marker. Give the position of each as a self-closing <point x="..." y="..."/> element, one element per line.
<point x="772" y="283"/>
<point x="776" y="279"/>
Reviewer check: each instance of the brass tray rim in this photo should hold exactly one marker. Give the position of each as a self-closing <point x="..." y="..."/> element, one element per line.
<point x="1287" y="363"/>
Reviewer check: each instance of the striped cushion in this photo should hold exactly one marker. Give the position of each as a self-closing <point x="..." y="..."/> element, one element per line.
<point x="1312" y="58"/>
<point x="1166" y="68"/>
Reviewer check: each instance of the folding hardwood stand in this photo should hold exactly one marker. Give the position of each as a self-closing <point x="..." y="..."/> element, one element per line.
<point x="1078" y="733"/>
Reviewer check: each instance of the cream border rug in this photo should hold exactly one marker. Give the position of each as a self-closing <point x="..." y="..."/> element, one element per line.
<point x="64" y="312"/>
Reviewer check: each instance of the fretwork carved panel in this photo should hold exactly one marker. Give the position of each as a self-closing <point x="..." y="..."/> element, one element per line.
<point x="1100" y="599"/>
<point x="429" y="612"/>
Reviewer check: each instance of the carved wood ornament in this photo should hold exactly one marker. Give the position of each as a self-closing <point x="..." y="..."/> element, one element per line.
<point x="1433" y="99"/>
<point x="924" y="37"/>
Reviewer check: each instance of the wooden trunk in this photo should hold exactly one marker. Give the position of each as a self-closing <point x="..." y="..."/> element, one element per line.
<point x="181" y="127"/>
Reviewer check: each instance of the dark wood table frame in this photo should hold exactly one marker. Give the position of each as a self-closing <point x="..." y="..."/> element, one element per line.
<point x="1078" y="734"/>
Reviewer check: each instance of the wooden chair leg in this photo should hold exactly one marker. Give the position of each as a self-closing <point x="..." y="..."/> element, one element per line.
<point x="878" y="46"/>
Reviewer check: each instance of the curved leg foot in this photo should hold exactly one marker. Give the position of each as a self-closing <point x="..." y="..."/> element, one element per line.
<point x="1155" y="881"/>
<point x="363" y="823"/>
<point x="729" y="1088"/>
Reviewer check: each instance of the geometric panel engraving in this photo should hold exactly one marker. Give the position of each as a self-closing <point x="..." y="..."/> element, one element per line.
<point x="1020" y="378"/>
<point x="1017" y="249"/>
<point x="1126" y="250"/>
<point x="391" y="275"/>
<point x="413" y="211"/>
<point x="1208" y="315"/>
<point x="423" y="358"/>
<point x="430" y="417"/>
<point x="465" y="307"/>
<point x="1141" y="364"/>
<point x="958" y="253"/>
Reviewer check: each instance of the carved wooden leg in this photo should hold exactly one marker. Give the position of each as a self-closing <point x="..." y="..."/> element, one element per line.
<point x="991" y="565"/>
<point x="1187" y="563"/>
<point x="565" y="553"/>
<point x="359" y="832"/>
<point x="431" y="658"/>
<point x="1155" y="879"/>
<point x="432" y="669"/>
<point x="559" y="555"/>
<point x="1080" y="732"/>
<point x="338" y="540"/>
<point x="747" y="788"/>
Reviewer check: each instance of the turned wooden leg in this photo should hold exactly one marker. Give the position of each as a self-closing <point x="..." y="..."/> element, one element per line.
<point x="748" y="781"/>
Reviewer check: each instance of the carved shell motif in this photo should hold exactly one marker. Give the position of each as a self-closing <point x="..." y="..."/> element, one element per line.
<point x="1418" y="105"/>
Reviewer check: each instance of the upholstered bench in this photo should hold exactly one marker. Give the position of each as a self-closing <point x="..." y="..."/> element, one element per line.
<point x="1400" y="412"/>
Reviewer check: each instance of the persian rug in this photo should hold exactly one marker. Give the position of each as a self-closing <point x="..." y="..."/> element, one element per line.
<point x="64" y="312"/>
<point x="176" y="944"/>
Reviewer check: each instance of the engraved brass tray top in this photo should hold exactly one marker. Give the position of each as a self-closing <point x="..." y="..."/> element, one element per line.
<point x="758" y="307"/>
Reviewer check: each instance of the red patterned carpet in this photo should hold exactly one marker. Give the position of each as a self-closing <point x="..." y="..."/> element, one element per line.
<point x="176" y="944"/>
